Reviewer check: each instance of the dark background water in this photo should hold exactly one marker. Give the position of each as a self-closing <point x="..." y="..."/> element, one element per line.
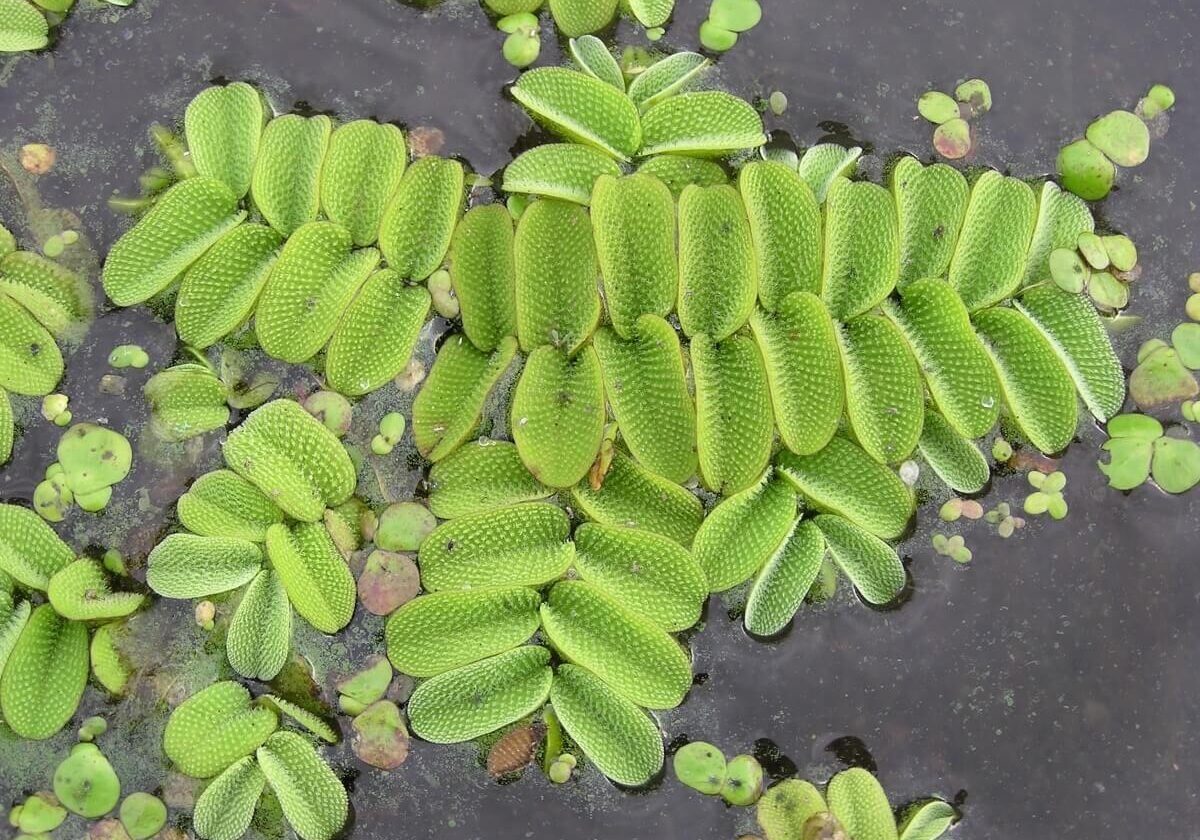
<point x="1053" y="679"/>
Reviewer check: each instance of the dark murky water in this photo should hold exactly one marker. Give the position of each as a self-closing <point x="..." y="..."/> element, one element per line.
<point x="1053" y="679"/>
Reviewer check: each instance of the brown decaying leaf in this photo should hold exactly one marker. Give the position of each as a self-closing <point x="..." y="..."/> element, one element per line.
<point x="515" y="750"/>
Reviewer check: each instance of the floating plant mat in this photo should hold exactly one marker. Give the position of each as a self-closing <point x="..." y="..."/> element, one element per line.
<point x="739" y="368"/>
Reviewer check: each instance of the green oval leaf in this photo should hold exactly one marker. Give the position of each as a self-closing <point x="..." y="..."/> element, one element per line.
<point x="871" y="564"/>
<point x="646" y="386"/>
<point x="989" y="259"/>
<point x="30" y="552"/>
<point x="289" y="455"/>
<point x="45" y="675"/>
<point x="484" y="274"/>
<point x="566" y="171"/>
<point x="744" y="532"/>
<point x="218" y="293"/>
<point x="81" y="592"/>
<point x="845" y="480"/>
<point x="442" y="631"/>
<point x="447" y="409"/>
<point x="223" y="127"/>
<point x="666" y="77"/>
<point x="362" y="170"/>
<point x="824" y="163"/>
<point x="312" y="570"/>
<point x="862" y="247"/>
<point x="580" y="108"/>
<point x="707" y="123"/>
<point x="1062" y="218"/>
<point x="480" y="477"/>
<point x="225" y="808"/>
<point x="579" y="17"/>
<point x="482" y="697"/>
<point x="260" y="633"/>
<point x="416" y="228"/>
<point x="521" y="545"/>
<point x="22" y="27"/>
<point x="785" y="579"/>
<point x="631" y="496"/>
<point x="30" y="361"/>
<point x="286" y="185"/>
<point x="620" y="739"/>
<point x="52" y="293"/>
<point x="556" y="268"/>
<point x="377" y="334"/>
<point x="680" y="171"/>
<point x="734" y="422"/>
<point x="858" y="802"/>
<point x="785" y="226"/>
<point x="593" y="58"/>
<point x="639" y="659"/>
<point x="650" y="574"/>
<point x="885" y="398"/>
<point x="956" y="460"/>
<point x="311" y="796"/>
<point x="190" y="566"/>
<point x="931" y="203"/>
<point x="214" y="728"/>
<point x="718" y="279"/>
<point x="223" y="504"/>
<point x="804" y="370"/>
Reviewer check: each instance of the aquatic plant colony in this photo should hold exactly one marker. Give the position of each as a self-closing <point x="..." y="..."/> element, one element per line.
<point x="672" y="362"/>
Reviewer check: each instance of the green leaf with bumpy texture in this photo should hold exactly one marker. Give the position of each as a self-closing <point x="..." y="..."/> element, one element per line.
<point x="416" y="229"/>
<point x="46" y="673"/>
<point x="556" y="269"/>
<point x="182" y="225"/>
<point x="447" y="409"/>
<point x="956" y="460"/>
<point x="480" y="477"/>
<point x="862" y="247"/>
<point x="634" y="221"/>
<point x="81" y="592"/>
<point x="648" y="573"/>
<point x="442" y="631"/>
<point x="593" y="58"/>
<point x="1036" y="384"/>
<point x="311" y="796"/>
<point x="635" y="656"/>
<point x="312" y="570"/>
<point x="377" y="334"/>
<point x="567" y="171"/>
<point x="52" y="293"/>
<point x="824" y="163"/>
<point x="22" y="27"/>
<point x="214" y="728"/>
<point x="290" y="455"/>
<point x="1078" y="336"/>
<point x="482" y="697"/>
<point x="13" y="617"/>
<point x="225" y="808"/>
<point x="286" y="185"/>
<point x="633" y="497"/>
<point x="681" y="171"/>
<point x="7" y="430"/>
<point x="558" y="415"/>
<point x="804" y="370"/>
<point x="956" y="367"/>
<point x="30" y="361"/>
<point x="191" y="566"/>
<point x="581" y="109"/>
<point x="260" y="633"/>
<point x="313" y="281"/>
<point x="579" y="17"/>
<point x="734" y="424"/>
<point x="666" y="78"/>
<point x="484" y="274"/>
<point x="784" y="581"/>
<point x="785" y="809"/>
<point x="1062" y="217"/>
<point x="871" y="564"/>
<point x="521" y="545"/>
<point x="785" y="225"/>
<point x="314" y="724"/>
<point x="927" y="820"/>
<point x="885" y="398"/>
<point x="30" y="552"/>
<point x="744" y="531"/>
<point x="845" y="480"/>
<point x="651" y="13"/>
<point x="223" y="504"/>
<point x="223" y="127"/>
<point x="708" y="123"/>
<point x="219" y="291"/>
<point x="858" y="802"/>
<point x="718" y="279"/>
<point x="619" y="738"/>
<point x="989" y="260"/>
<point x="185" y="401"/>
<point x="362" y="170"/>
<point x="931" y="203"/>
<point x="646" y="386"/>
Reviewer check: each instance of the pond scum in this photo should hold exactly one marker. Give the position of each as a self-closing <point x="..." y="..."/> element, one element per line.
<point x="726" y="408"/>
